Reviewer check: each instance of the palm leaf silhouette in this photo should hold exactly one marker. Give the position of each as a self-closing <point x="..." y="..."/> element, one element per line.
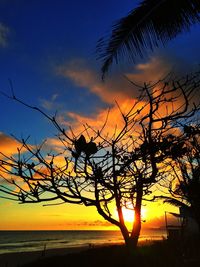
<point x="152" y="23"/>
<point x="176" y="203"/>
<point x="173" y="201"/>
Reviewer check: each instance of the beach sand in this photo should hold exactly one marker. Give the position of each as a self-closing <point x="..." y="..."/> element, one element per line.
<point x="69" y="257"/>
<point x="154" y="254"/>
<point x="20" y="258"/>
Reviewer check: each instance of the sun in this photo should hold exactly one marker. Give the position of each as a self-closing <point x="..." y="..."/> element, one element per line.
<point x="129" y="214"/>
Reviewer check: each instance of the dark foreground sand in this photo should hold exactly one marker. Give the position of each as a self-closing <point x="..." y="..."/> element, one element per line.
<point x="21" y="258"/>
<point x="158" y="254"/>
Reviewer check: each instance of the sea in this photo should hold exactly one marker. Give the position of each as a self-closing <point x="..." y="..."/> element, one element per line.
<point x="24" y="241"/>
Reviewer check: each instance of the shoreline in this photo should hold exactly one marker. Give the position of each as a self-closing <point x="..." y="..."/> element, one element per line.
<point x="15" y="259"/>
<point x="151" y="253"/>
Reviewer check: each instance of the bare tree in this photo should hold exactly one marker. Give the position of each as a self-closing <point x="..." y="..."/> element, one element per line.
<point x="100" y="169"/>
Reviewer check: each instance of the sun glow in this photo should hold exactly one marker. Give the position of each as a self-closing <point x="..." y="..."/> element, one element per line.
<point x="129" y="214"/>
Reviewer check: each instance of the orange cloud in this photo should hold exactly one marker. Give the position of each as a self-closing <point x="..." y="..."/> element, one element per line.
<point x="8" y="145"/>
<point x="115" y="87"/>
<point x="53" y="144"/>
<point x="113" y="118"/>
<point x="150" y="72"/>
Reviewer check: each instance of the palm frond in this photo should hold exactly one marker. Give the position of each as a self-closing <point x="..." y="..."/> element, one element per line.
<point x="175" y="214"/>
<point x="152" y="23"/>
<point x="175" y="202"/>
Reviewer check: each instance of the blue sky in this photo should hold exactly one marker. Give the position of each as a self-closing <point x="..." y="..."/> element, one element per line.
<point x="38" y="38"/>
<point x="47" y="50"/>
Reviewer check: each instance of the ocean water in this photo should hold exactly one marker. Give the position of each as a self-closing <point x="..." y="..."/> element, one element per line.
<point x="21" y="241"/>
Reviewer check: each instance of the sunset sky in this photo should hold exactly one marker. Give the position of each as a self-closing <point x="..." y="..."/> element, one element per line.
<point x="47" y="50"/>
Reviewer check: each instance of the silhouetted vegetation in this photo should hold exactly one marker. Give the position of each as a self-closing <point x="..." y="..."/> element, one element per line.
<point x="149" y="25"/>
<point x="183" y="180"/>
<point x="97" y="168"/>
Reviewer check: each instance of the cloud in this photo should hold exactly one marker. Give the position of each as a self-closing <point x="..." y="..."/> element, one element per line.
<point x="51" y="103"/>
<point x="4" y="31"/>
<point x="85" y="77"/>
<point x="153" y="70"/>
<point x="111" y="118"/>
<point x="52" y="215"/>
<point x="92" y="223"/>
<point x="8" y="145"/>
<point x="53" y="144"/>
<point x="97" y="223"/>
<point x="116" y="87"/>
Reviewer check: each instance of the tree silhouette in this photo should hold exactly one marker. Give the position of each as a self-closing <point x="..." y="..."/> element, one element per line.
<point x="101" y="169"/>
<point x="184" y="179"/>
<point x="152" y="23"/>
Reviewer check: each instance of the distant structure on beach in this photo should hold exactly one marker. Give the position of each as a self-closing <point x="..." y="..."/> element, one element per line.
<point x="181" y="225"/>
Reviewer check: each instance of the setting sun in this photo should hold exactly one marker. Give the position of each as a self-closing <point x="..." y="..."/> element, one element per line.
<point x="129" y="214"/>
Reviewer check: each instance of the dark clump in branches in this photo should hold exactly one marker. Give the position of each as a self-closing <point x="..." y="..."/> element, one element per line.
<point x="103" y="169"/>
<point x="81" y="145"/>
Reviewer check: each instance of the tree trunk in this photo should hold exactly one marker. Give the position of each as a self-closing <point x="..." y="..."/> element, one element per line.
<point x="129" y="241"/>
<point x="123" y="228"/>
<point x="125" y="234"/>
<point x="197" y="218"/>
<point x="136" y="227"/>
<point x="137" y="221"/>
